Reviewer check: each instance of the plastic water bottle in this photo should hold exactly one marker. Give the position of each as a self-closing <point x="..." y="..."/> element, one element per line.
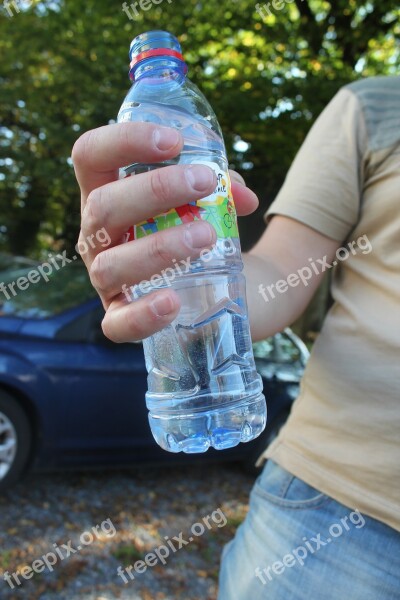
<point x="203" y="387"/>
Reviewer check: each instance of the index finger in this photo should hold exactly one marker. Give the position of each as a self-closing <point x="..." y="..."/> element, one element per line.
<point x="98" y="154"/>
<point x="246" y="201"/>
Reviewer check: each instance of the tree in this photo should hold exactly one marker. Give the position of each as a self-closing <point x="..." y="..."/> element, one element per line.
<point x="268" y="74"/>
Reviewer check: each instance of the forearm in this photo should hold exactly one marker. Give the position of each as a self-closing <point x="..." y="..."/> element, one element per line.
<point x="280" y="280"/>
<point x="269" y="310"/>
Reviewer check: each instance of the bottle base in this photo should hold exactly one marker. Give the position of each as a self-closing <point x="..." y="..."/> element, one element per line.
<point x="219" y="429"/>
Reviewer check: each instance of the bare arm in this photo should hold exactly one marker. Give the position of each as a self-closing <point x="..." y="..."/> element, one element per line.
<point x="283" y="251"/>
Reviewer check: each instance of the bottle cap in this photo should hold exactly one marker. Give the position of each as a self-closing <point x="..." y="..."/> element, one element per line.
<point x="151" y="44"/>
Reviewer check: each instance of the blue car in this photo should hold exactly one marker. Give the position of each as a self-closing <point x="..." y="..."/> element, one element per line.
<point x="70" y="397"/>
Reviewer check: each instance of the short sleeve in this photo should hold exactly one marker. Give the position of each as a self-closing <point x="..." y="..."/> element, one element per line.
<point x="323" y="187"/>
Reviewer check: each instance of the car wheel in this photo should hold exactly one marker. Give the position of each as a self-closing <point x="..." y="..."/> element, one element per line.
<point x="15" y="440"/>
<point x="266" y="438"/>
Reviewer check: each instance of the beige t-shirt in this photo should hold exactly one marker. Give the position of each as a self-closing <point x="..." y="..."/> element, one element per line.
<point x="343" y="434"/>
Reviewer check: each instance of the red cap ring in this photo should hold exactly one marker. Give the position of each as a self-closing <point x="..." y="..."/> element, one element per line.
<point x="155" y="52"/>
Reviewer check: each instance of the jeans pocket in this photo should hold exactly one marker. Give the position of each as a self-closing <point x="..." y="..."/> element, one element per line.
<point x="277" y="485"/>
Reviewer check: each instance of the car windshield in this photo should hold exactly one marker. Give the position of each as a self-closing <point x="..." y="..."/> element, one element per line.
<point x="25" y="292"/>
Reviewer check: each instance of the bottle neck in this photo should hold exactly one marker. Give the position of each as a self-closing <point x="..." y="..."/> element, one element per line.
<point x="161" y="67"/>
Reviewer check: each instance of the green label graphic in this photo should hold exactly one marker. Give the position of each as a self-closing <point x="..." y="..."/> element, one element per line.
<point x="218" y="209"/>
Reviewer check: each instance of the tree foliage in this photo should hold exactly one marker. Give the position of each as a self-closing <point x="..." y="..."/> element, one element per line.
<point x="268" y="73"/>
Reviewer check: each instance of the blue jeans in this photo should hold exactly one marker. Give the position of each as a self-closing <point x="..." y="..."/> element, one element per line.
<point x="299" y="544"/>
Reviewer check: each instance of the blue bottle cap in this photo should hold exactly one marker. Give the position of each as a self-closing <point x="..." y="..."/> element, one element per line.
<point x="151" y="44"/>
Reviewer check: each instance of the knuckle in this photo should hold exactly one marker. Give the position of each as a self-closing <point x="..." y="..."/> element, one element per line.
<point x="80" y="248"/>
<point x="125" y="137"/>
<point x="81" y="150"/>
<point x="158" y="250"/>
<point x="161" y="187"/>
<point x="79" y="240"/>
<point x="99" y="272"/>
<point x="96" y="211"/>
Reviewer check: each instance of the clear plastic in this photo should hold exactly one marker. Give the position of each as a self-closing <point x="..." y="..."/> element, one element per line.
<point x="203" y="387"/>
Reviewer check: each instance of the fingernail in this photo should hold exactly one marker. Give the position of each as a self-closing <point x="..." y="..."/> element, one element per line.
<point x="199" y="235"/>
<point x="162" y="305"/>
<point x="165" y="138"/>
<point x="199" y="177"/>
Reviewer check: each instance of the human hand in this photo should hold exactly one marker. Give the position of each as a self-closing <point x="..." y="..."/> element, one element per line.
<point x="115" y="205"/>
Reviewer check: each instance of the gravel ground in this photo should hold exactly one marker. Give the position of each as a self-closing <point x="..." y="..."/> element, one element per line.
<point x="136" y="512"/>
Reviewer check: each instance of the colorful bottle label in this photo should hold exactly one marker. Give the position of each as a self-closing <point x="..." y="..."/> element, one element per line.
<point x="218" y="209"/>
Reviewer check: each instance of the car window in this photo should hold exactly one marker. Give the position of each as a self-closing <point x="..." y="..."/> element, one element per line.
<point x="7" y="262"/>
<point x="48" y="296"/>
